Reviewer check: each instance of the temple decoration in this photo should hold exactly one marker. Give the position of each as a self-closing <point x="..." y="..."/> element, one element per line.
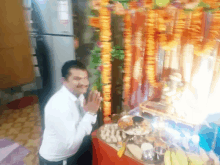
<point x="150" y="48"/>
<point x="128" y="56"/>
<point x="168" y="24"/>
<point x="105" y="38"/>
<point x="196" y="30"/>
<point x="94" y="21"/>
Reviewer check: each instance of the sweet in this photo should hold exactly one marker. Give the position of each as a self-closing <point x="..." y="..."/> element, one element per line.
<point x="108" y="140"/>
<point x="125" y="123"/>
<point x="110" y="133"/>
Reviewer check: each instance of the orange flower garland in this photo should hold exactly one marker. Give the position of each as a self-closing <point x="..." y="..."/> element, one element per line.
<point x="179" y="27"/>
<point x="94" y="21"/>
<point x="161" y="27"/>
<point x="128" y="56"/>
<point x="196" y="30"/>
<point x="213" y="33"/>
<point x="170" y="38"/>
<point x="150" y="48"/>
<point x="105" y="38"/>
<point x="148" y="3"/>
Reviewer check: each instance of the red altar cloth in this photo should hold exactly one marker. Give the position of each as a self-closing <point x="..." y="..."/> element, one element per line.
<point x="103" y="154"/>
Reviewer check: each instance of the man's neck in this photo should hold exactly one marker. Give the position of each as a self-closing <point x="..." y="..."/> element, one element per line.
<point x="74" y="93"/>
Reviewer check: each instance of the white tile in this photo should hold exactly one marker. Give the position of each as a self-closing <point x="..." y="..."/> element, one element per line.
<point x="34" y="58"/>
<point x="7" y="98"/>
<point x="17" y="96"/>
<point x="37" y="71"/>
<point x="33" y="51"/>
<point x="29" y="87"/>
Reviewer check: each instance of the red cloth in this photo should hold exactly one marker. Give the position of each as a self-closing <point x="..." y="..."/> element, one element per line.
<point x="23" y="102"/>
<point x="103" y="154"/>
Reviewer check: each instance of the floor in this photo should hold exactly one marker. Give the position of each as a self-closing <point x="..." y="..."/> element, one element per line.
<point x="24" y="127"/>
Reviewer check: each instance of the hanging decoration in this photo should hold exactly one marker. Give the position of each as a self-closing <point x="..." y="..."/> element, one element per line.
<point x="128" y="56"/>
<point x="172" y="22"/>
<point x="105" y="38"/>
<point x="150" y="48"/>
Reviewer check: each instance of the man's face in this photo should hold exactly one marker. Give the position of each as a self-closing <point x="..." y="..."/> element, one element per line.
<point x="77" y="81"/>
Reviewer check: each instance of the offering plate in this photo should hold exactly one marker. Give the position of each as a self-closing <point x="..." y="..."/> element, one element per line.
<point x="134" y="125"/>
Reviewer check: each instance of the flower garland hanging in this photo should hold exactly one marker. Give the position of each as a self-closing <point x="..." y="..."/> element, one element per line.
<point x="170" y="28"/>
<point x="196" y="30"/>
<point x="128" y="56"/>
<point x="94" y="22"/>
<point x="150" y="48"/>
<point x="105" y="38"/>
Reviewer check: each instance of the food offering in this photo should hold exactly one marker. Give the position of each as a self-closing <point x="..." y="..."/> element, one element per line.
<point x="134" y="125"/>
<point x="125" y="122"/>
<point x="110" y="133"/>
<point x="147" y="151"/>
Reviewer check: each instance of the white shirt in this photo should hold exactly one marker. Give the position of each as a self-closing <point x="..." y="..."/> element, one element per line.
<point x="64" y="126"/>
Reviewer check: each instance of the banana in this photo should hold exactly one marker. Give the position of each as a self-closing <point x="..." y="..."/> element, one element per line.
<point x="167" y="158"/>
<point x="181" y="156"/>
<point x="195" y="159"/>
<point x="174" y="159"/>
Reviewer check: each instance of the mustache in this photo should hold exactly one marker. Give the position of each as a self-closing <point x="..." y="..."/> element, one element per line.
<point x="85" y="86"/>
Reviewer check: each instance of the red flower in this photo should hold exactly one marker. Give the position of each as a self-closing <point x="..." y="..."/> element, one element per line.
<point x="99" y="44"/>
<point x="100" y="68"/>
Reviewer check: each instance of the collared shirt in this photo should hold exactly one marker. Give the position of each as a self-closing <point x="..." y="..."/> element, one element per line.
<point x="65" y="126"/>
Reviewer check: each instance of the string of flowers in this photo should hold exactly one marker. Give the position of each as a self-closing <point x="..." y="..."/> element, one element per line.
<point x="128" y="56"/>
<point x="150" y="48"/>
<point x="161" y="27"/>
<point x="165" y="27"/>
<point x="105" y="38"/>
<point x="94" y="22"/>
<point x="170" y="36"/>
<point x="148" y="3"/>
<point x="196" y="30"/>
<point x="179" y="26"/>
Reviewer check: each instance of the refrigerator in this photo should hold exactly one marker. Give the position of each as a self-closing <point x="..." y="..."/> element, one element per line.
<point x="52" y="24"/>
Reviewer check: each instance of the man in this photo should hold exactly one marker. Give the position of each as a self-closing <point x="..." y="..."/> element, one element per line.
<point x="67" y="123"/>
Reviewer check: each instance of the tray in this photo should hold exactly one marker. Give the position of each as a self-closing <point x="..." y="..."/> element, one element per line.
<point x="148" y="162"/>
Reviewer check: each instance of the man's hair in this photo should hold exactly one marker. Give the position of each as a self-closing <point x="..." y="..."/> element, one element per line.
<point x="72" y="64"/>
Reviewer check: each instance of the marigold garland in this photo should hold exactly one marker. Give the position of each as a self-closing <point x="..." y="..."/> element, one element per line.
<point x="150" y="48"/>
<point x="128" y="56"/>
<point x="105" y="38"/>
<point x="196" y="30"/>
<point x="148" y="3"/>
<point x="170" y="35"/>
<point x="170" y="29"/>
<point x="94" y="21"/>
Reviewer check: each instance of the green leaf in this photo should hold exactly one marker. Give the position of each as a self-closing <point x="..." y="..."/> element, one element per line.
<point x="162" y="3"/>
<point x="203" y="4"/>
